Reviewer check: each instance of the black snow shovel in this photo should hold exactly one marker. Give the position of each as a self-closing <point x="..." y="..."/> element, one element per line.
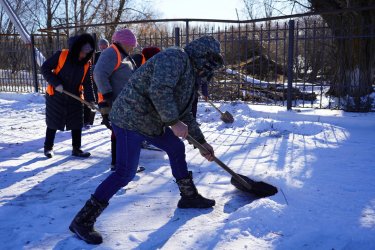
<point x="225" y="117"/>
<point x="243" y="183"/>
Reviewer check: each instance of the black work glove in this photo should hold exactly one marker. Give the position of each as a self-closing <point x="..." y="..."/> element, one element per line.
<point x="104" y="108"/>
<point x="108" y="98"/>
<point x="106" y="121"/>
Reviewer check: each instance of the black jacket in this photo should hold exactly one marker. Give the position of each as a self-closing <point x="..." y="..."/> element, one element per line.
<point x="63" y="111"/>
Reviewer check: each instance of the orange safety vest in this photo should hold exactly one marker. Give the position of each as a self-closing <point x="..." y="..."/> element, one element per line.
<point x="100" y="96"/>
<point x="62" y="58"/>
<point x="143" y="59"/>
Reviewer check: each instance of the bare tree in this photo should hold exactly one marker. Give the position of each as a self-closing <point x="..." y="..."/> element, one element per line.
<point x="119" y="11"/>
<point x="22" y="9"/>
<point x="268" y="7"/>
<point x="114" y="11"/>
<point x="252" y="8"/>
<point x="8" y="27"/>
<point x="249" y="8"/>
<point x="48" y="13"/>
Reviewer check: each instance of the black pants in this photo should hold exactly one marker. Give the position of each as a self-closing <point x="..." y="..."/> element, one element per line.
<point x="88" y="116"/>
<point x="50" y="138"/>
<point x="194" y="107"/>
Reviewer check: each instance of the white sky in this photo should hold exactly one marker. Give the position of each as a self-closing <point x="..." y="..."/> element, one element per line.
<point x="211" y="9"/>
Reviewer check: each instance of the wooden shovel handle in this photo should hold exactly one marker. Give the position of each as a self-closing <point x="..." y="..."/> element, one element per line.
<point x="220" y="163"/>
<point x="81" y="100"/>
<point x="212" y="104"/>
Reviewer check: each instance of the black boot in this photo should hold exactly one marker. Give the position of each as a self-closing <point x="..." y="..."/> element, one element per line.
<point x="76" y="143"/>
<point x="190" y="198"/>
<point x="48" y="143"/>
<point x="83" y="223"/>
<point x="48" y="152"/>
<point x="79" y="153"/>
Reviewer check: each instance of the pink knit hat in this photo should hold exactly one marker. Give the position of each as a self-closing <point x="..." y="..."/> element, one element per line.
<point x="125" y="36"/>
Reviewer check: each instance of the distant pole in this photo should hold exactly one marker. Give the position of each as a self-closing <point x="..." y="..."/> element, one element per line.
<point x="290" y="64"/>
<point x="33" y="57"/>
<point x="177" y="37"/>
<point x="57" y="39"/>
<point x="187" y="32"/>
<point x="96" y="41"/>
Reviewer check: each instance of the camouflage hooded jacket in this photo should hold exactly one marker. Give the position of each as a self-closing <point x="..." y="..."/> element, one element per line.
<point x="161" y="92"/>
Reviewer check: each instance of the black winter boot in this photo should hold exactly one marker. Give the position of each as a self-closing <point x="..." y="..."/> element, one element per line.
<point x="83" y="223"/>
<point x="190" y="198"/>
<point x="48" y="152"/>
<point x="79" y="153"/>
<point x="113" y="167"/>
<point x="48" y="143"/>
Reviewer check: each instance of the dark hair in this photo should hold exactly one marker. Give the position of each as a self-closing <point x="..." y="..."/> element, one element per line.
<point x="149" y="52"/>
<point x="75" y="45"/>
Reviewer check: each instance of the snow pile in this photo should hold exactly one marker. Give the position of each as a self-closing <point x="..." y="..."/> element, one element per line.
<point x="246" y="120"/>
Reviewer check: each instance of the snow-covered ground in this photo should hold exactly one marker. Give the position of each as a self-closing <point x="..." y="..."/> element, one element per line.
<point x="322" y="160"/>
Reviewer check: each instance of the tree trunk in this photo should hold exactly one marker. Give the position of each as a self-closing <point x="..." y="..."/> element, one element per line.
<point x="355" y="73"/>
<point x="49" y="23"/>
<point x="82" y="15"/>
<point x="67" y="16"/>
<point x="354" y="37"/>
<point x="118" y="16"/>
<point x="75" y="9"/>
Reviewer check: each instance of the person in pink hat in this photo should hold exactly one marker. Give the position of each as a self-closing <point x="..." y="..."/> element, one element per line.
<point x="111" y="73"/>
<point x="126" y="39"/>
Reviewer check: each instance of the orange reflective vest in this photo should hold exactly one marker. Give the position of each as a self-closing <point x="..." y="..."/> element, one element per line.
<point x="118" y="54"/>
<point x="143" y="59"/>
<point x="62" y="59"/>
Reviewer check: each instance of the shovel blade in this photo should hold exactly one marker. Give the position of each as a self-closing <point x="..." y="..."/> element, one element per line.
<point x="227" y="117"/>
<point x="258" y="188"/>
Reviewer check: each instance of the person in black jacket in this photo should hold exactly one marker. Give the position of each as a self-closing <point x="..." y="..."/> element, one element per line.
<point x="62" y="111"/>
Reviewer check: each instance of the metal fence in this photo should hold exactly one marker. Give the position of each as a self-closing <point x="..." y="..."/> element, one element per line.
<point x="274" y="62"/>
<point x="18" y="69"/>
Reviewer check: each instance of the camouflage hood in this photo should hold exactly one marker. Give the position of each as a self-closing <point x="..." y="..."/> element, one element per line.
<point x="205" y="52"/>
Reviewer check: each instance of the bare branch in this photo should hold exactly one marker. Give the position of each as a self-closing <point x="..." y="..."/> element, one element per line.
<point x="299" y="3"/>
<point x="249" y="5"/>
<point x="96" y="8"/>
<point x="54" y="10"/>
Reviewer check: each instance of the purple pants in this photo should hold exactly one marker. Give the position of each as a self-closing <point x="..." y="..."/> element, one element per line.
<point x="128" y="149"/>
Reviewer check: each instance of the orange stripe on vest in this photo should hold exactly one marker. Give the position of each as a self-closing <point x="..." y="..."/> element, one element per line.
<point x="100" y="96"/>
<point x="118" y="56"/>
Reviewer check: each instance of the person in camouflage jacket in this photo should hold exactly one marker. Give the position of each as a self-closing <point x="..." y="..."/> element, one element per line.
<point x="155" y="106"/>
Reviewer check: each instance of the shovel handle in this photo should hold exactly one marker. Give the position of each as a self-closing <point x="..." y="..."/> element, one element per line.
<point x="81" y="100"/>
<point x="220" y="163"/>
<point x="212" y="104"/>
